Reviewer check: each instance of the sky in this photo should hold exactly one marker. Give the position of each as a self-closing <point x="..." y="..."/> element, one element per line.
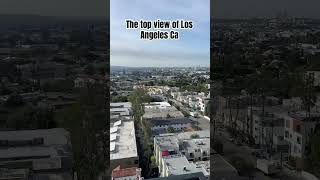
<point x="192" y="48"/>
<point x="265" y="8"/>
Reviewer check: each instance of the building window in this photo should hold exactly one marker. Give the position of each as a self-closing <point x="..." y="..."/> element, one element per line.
<point x="298" y="140"/>
<point x="298" y="128"/>
<point x="286" y="134"/>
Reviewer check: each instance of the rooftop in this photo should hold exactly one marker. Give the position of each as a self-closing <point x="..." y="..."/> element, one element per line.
<point x="201" y="134"/>
<point x="118" y="172"/>
<point x="123" y="141"/>
<point x="177" y="164"/>
<point x="204" y="166"/>
<point x="170" y="121"/>
<point x="56" y="136"/>
<point x="162" y="112"/>
<point x="34" y="144"/>
<point x="167" y="141"/>
<point x="197" y="144"/>
<point x="157" y="104"/>
<point x="190" y="176"/>
<point x="121" y="105"/>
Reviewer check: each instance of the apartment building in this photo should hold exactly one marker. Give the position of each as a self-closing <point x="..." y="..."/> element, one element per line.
<point x="35" y="151"/>
<point x="177" y="153"/>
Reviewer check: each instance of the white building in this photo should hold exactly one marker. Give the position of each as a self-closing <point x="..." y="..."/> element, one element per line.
<point x="315" y="75"/>
<point x="36" y="150"/>
<point x="121" y="109"/>
<point x="298" y="131"/>
<point x="174" y="151"/>
<point x="177" y="164"/>
<point x="123" y="147"/>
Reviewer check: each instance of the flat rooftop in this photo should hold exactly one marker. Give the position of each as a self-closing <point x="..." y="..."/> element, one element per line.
<point x="170" y="121"/>
<point x="24" y="152"/>
<point x="201" y="134"/>
<point x="56" y="136"/>
<point x="121" y="105"/>
<point x="123" y="142"/>
<point x="190" y="176"/>
<point x="162" y="112"/>
<point x="160" y="104"/>
<point x="191" y="144"/>
<point x="177" y="165"/>
<point x="204" y="166"/>
<point x="168" y="141"/>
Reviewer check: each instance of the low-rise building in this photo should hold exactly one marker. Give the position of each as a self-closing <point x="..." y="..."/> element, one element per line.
<point x="299" y="128"/>
<point x="177" y="165"/>
<point x="161" y="125"/>
<point x="160" y="110"/>
<point x="133" y="173"/>
<point x="123" y="147"/>
<point x="45" y="150"/>
<point x="174" y="151"/>
<point x="120" y="109"/>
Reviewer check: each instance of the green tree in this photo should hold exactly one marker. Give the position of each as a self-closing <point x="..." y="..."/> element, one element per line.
<point x="170" y="130"/>
<point x="86" y="123"/>
<point x="137" y="98"/>
<point x="208" y="108"/>
<point x="153" y="160"/>
<point x="119" y="98"/>
<point x="313" y="152"/>
<point x="194" y="136"/>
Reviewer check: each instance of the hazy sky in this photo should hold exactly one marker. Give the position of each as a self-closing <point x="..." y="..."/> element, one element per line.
<point x="55" y="7"/>
<point x="192" y="49"/>
<point x="265" y="8"/>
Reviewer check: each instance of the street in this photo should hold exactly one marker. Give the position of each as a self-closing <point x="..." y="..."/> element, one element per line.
<point x="201" y="122"/>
